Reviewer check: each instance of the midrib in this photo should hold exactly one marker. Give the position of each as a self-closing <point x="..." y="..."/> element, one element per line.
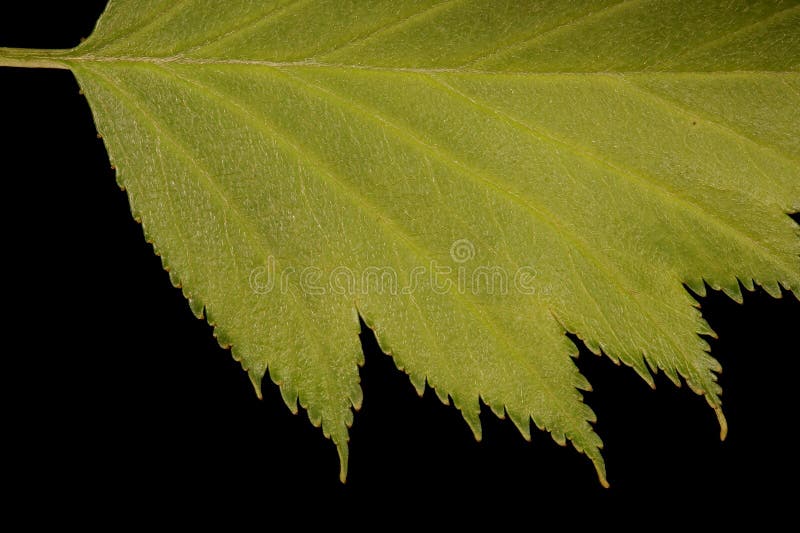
<point x="61" y="59"/>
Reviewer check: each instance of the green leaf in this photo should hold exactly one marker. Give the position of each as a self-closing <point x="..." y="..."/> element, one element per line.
<point x="474" y="179"/>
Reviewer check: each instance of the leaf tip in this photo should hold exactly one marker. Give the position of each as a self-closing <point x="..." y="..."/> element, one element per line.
<point x="341" y="448"/>
<point x="723" y="423"/>
<point x="599" y="466"/>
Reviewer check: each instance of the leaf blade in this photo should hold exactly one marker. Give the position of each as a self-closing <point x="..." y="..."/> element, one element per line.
<point x="609" y="218"/>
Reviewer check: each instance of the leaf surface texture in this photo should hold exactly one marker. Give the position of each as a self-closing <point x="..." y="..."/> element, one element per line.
<point x="604" y="153"/>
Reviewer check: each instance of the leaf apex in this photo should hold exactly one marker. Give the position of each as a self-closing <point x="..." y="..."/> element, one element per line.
<point x="343" y="451"/>
<point x="599" y="465"/>
<point x="723" y="423"/>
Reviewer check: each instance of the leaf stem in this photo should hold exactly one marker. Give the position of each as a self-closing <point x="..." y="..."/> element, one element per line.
<point x="32" y="58"/>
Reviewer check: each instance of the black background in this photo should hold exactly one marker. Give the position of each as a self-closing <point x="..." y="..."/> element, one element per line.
<point x="113" y="392"/>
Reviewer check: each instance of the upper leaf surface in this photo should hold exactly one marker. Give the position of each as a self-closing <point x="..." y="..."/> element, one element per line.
<point x="548" y="166"/>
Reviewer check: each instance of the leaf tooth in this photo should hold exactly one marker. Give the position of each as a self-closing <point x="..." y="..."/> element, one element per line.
<point x="381" y="336"/>
<point x="224" y="340"/>
<point x="747" y="282"/>
<point x="559" y="437"/>
<point x="256" y="377"/>
<point x="672" y="374"/>
<point x="734" y="292"/>
<point x="790" y="287"/>
<point x="637" y="362"/>
<point x="441" y="394"/>
<point x="471" y="411"/>
<point x="173" y="276"/>
<point x="587" y="413"/>
<point x="314" y="414"/>
<point x="694" y="387"/>
<point x="697" y="285"/>
<point x="704" y="328"/>
<point x="610" y="354"/>
<point x="538" y="423"/>
<point x="287" y="389"/>
<point x="580" y="382"/>
<point x="652" y="366"/>
<point x="593" y="346"/>
<point x="642" y="368"/>
<point x="497" y="408"/>
<point x="356" y="396"/>
<point x="523" y="423"/>
<point x="713" y="364"/>
<point x="418" y="381"/>
<point x="570" y="347"/>
<point x="703" y="345"/>
<point x="197" y="307"/>
<point x="771" y="287"/>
